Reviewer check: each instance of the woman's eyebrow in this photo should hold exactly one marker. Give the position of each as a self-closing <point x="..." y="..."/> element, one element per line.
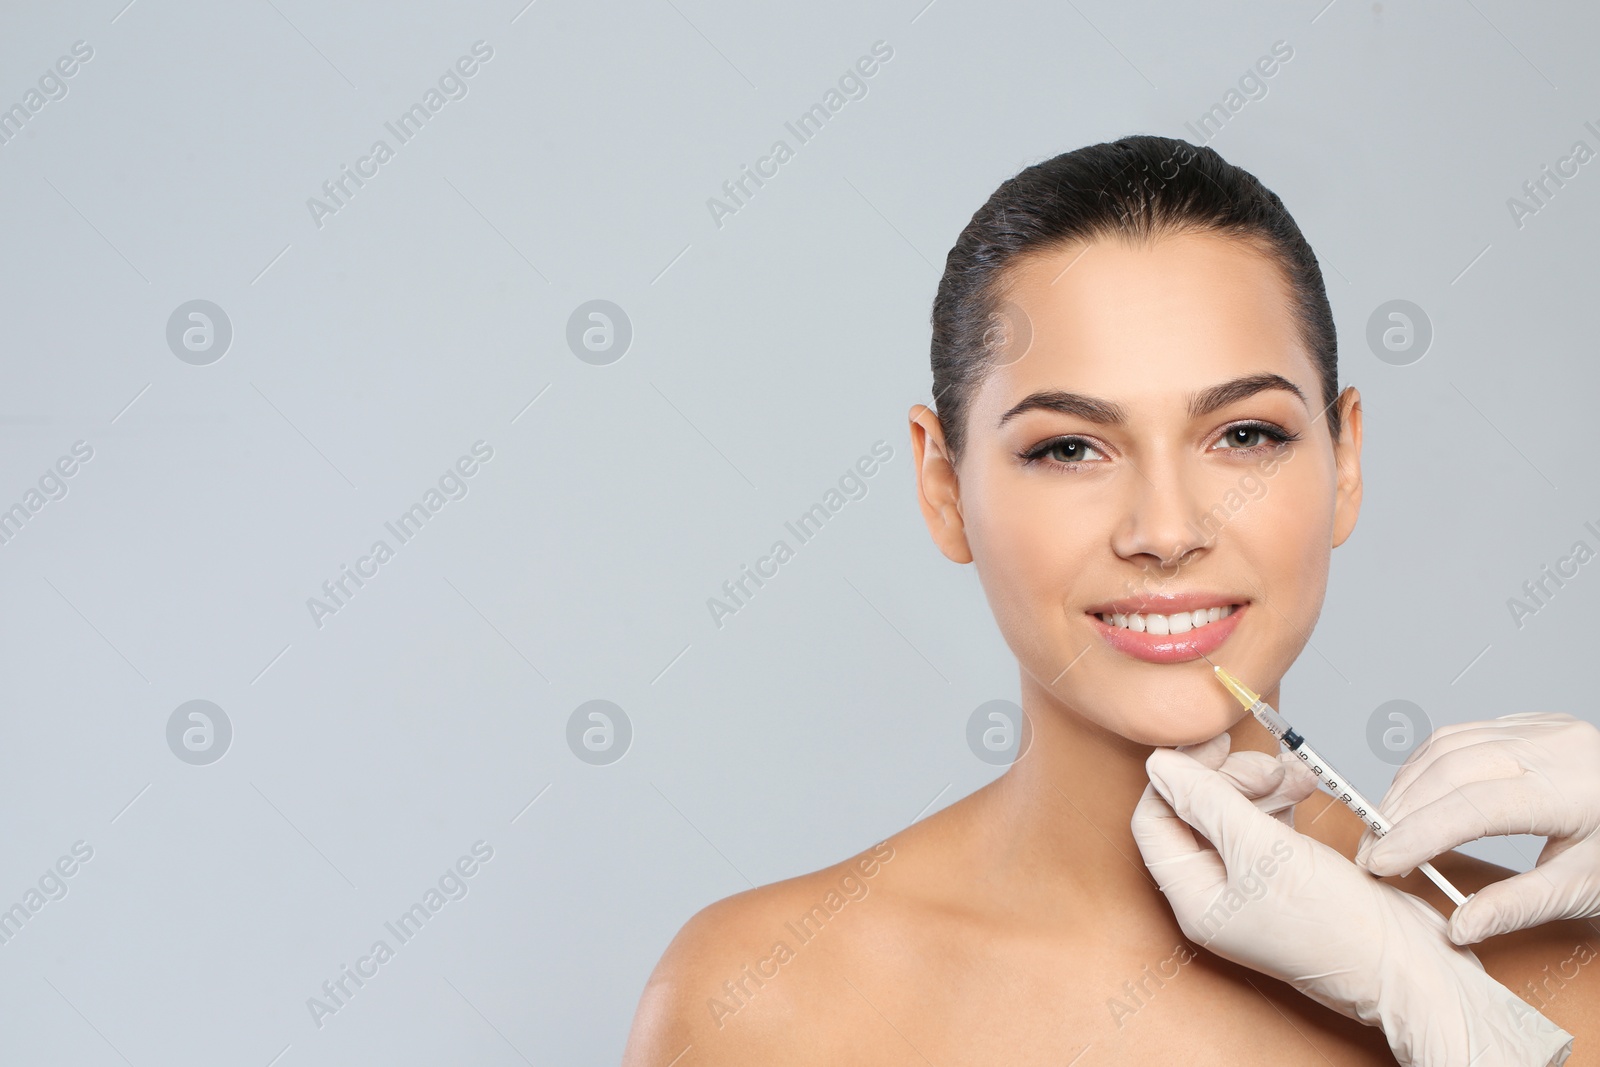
<point x="1107" y="413"/>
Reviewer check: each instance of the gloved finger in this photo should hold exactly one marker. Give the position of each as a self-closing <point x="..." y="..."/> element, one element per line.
<point x="1272" y="784"/>
<point x="1210" y="752"/>
<point x="1550" y="891"/>
<point x="1298" y="784"/>
<point x="1455" y="735"/>
<point x="1521" y="805"/>
<point x="1438" y="774"/>
<point x="1255" y="774"/>
<point x="1364" y="845"/>
<point x="1483" y="760"/>
<point x="1212" y="805"/>
<point x="1178" y="862"/>
<point x="1523" y="731"/>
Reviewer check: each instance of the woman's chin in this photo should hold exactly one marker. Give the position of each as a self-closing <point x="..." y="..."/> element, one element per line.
<point x="1171" y="729"/>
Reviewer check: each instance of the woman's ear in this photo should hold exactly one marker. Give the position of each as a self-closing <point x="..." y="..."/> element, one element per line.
<point x="1347" y="459"/>
<point x="938" y="492"/>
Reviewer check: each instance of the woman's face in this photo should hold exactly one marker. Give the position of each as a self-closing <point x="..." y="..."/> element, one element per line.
<point x="1123" y="449"/>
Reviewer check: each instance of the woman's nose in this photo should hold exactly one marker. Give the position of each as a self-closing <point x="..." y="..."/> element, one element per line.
<point x="1164" y="518"/>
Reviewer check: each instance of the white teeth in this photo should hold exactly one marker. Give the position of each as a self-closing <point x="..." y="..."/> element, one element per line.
<point x="1179" y="623"/>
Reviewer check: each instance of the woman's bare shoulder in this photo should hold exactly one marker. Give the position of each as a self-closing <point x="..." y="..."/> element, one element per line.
<point x="1554" y="966"/>
<point x="735" y="978"/>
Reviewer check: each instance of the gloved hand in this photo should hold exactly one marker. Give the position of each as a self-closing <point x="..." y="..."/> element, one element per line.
<point x="1271" y="899"/>
<point x="1531" y="773"/>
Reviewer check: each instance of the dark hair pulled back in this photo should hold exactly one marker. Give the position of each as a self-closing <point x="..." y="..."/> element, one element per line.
<point x="1137" y="188"/>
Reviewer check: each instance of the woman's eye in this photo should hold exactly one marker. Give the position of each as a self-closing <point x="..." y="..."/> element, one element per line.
<point x="1068" y="452"/>
<point x="1062" y="450"/>
<point x="1249" y="436"/>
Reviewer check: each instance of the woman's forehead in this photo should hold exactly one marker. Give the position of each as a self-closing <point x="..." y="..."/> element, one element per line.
<point x="1153" y="321"/>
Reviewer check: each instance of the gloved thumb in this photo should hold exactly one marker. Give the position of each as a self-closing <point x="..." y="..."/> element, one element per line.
<point x="1211" y="752"/>
<point x="1364" y="847"/>
<point x="1482" y="917"/>
<point x="1207" y="801"/>
<point x="1255" y="773"/>
<point x="1274" y="785"/>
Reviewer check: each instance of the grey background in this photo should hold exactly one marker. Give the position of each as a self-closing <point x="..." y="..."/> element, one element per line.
<point x="768" y="355"/>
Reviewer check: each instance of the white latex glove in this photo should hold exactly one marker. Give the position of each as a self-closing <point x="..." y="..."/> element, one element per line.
<point x="1269" y="898"/>
<point x="1531" y="773"/>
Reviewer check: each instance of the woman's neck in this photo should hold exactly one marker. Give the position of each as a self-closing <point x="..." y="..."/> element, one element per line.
<point x="1057" y="822"/>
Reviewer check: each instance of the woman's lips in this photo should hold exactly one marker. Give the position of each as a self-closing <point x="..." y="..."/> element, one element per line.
<point x="1170" y="648"/>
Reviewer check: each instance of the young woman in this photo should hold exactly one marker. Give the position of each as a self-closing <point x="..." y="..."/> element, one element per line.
<point x="1138" y="432"/>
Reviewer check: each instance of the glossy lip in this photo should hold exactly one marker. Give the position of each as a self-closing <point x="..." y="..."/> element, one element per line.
<point x="1171" y="648"/>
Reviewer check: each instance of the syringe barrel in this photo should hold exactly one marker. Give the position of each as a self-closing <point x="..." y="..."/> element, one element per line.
<point x="1331" y="780"/>
<point x="1276" y="725"/>
<point x="1335" y="783"/>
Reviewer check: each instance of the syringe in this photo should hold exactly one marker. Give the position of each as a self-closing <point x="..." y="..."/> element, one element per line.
<point x="1331" y="780"/>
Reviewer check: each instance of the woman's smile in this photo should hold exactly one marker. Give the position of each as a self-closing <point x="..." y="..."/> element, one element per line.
<point x="1189" y="625"/>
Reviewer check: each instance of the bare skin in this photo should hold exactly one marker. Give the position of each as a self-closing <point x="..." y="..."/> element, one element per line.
<point x="1019" y="924"/>
<point x="956" y="955"/>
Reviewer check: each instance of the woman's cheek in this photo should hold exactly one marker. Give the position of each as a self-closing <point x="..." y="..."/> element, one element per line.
<point x="1303" y="526"/>
<point x="1299" y="540"/>
<point x="1027" y="588"/>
